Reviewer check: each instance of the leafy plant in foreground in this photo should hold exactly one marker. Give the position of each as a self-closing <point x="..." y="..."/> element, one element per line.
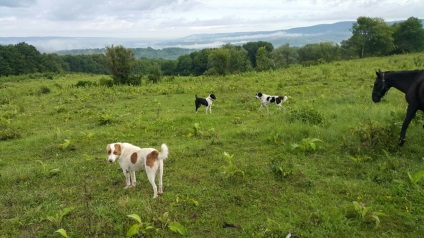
<point x="67" y="145"/>
<point x="365" y="213"/>
<point x="275" y="138"/>
<point x="231" y="169"/>
<point x="143" y="227"/>
<point x="184" y="201"/>
<point x="62" y="232"/>
<point x="196" y="129"/>
<point x="307" y="144"/>
<point x="416" y="177"/>
<point x="273" y="228"/>
<point x="58" y="217"/>
<point x="46" y="172"/>
<point x="280" y="169"/>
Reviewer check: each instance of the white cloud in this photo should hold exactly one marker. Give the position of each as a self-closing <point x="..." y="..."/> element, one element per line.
<point x="177" y="18"/>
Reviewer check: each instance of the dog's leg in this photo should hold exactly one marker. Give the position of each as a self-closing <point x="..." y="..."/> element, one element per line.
<point x="267" y="109"/>
<point x="133" y="179"/>
<point x="127" y="178"/>
<point x="260" y="108"/>
<point x="281" y="107"/>
<point x="160" y="177"/>
<point x="151" y="176"/>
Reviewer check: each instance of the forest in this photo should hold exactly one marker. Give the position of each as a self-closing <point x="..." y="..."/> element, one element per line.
<point x="370" y="37"/>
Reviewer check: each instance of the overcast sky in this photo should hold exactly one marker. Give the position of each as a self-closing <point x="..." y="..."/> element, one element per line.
<point x="167" y="19"/>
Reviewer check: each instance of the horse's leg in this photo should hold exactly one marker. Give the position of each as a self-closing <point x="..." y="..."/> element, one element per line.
<point x="410" y="113"/>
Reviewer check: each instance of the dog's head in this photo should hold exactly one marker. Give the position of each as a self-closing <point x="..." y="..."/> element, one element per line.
<point x="113" y="151"/>
<point x="213" y="96"/>
<point x="258" y="95"/>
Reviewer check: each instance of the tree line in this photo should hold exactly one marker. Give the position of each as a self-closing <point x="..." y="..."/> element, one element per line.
<point x="370" y="37"/>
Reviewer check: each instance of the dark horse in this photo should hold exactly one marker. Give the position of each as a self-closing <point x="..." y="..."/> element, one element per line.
<point x="408" y="82"/>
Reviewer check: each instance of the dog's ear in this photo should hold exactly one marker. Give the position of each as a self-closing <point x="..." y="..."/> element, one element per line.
<point x="118" y="149"/>
<point x="108" y="149"/>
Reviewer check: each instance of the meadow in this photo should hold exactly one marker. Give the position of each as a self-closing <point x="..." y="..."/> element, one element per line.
<point x="326" y="166"/>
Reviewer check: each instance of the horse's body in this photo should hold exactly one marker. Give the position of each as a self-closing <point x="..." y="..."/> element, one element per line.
<point x="408" y="82"/>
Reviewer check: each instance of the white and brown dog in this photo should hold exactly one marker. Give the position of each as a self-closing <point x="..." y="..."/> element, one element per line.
<point x="267" y="99"/>
<point x="205" y="101"/>
<point x="132" y="158"/>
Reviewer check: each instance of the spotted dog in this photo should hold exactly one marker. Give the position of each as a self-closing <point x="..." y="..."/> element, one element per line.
<point x="132" y="158"/>
<point x="267" y="99"/>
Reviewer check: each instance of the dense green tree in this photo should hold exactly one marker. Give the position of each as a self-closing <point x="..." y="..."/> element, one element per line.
<point x="184" y="65"/>
<point x="252" y="49"/>
<point x="321" y="52"/>
<point x="121" y="63"/>
<point x="155" y="73"/>
<point x="238" y="61"/>
<point x="95" y="63"/>
<point x="218" y="61"/>
<point x="372" y="37"/>
<point x="6" y="67"/>
<point x="409" y="36"/>
<point x="263" y="61"/>
<point x="200" y="62"/>
<point x="284" y="56"/>
<point x="168" y="67"/>
<point x="54" y="63"/>
<point x="29" y="59"/>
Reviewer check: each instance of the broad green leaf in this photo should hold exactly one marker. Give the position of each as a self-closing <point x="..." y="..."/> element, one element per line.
<point x="416" y="177"/>
<point x="377" y="221"/>
<point x="177" y="228"/>
<point x="357" y="206"/>
<point x="133" y="230"/>
<point x="135" y="217"/>
<point x="62" y="232"/>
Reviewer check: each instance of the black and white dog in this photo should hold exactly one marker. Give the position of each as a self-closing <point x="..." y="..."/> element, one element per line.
<point x="267" y="99"/>
<point x="205" y="101"/>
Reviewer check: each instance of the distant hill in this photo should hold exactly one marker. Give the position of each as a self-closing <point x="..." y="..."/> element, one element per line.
<point x="294" y="37"/>
<point x="172" y="49"/>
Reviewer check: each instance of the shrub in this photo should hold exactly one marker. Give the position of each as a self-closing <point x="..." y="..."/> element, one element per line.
<point x="281" y="169"/>
<point x="106" y="119"/>
<point x="84" y="83"/>
<point x="308" y="115"/>
<point x="371" y="136"/>
<point x="44" y="90"/>
<point x="134" y="80"/>
<point x="7" y="132"/>
<point x="106" y="82"/>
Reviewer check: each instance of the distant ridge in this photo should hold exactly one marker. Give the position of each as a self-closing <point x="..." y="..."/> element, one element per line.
<point x="299" y="36"/>
<point x="295" y="36"/>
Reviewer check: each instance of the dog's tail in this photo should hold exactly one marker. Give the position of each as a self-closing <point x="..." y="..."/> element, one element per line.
<point x="164" y="153"/>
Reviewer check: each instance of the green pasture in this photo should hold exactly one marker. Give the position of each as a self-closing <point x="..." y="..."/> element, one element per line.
<point x="326" y="166"/>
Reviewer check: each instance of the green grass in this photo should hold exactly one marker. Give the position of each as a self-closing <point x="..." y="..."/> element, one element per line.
<point x="327" y="166"/>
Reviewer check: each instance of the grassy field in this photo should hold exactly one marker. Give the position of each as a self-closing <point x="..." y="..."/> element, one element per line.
<point x="327" y="166"/>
